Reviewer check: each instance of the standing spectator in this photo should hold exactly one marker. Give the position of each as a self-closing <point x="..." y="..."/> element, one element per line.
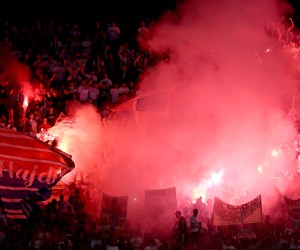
<point x="51" y="115"/>
<point x="124" y="54"/>
<point x="51" y="210"/>
<point x="86" y="45"/>
<point x="18" y="116"/>
<point x="114" y="93"/>
<point x="74" y="76"/>
<point x="75" y="35"/>
<point x="131" y="87"/>
<point x="106" y="81"/>
<point x="27" y="59"/>
<point x="55" y="46"/>
<point x="45" y="54"/>
<point x="51" y="63"/>
<point x="97" y="62"/>
<point x="31" y="125"/>
<point x="75" y="32"/>
<point x="70" y="108"/>
<point x="39" y="65"/>
<point x="67" y="96"/>
<point x="180" y="232"/>
<point x="16" y="52"/>
<point x="40" y="92"/>
<point x="17" y="96"/>
<point x="45" y="126"/>
<point x="104" y="86"/>
<point x="92" y="76"/>
<point x="83" y="91"/>
<point x="195" y="226"/>
<point x="94" y="93"/>
<point x="123" y="92"/>
<point x="63" y="54"/>
<point x="53" y="98"/>
<point x="73" y="89"/>
<point x="4" y="112"/>
<point x="113" y="34"/>
<point x="125" y="58"/>
<point x="111" y="64"/>
<point x="82" y="59"/>
<point x="123" y="75"/>
<point x="59" y="74"/>
<point x="62" y="206"/>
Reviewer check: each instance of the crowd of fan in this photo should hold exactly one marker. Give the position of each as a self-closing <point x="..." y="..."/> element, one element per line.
<point x="67" y="223"/>
<point x="69" y="64"/>
<point x="72" y="64"/>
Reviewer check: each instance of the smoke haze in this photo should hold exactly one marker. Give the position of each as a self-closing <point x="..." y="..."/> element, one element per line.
<point x="221" y="110"/>
<point x="16" y="73"/>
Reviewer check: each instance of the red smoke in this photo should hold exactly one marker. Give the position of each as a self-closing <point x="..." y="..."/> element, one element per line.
<point x="16" y="73"/>
<point x="225" y="113"/>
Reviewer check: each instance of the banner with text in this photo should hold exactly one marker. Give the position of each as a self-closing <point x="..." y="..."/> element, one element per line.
<point x="226" y="214"/>
<point x="113" y="212"/>
<point x="160" y="201"/>
<point x="293" y="208"/>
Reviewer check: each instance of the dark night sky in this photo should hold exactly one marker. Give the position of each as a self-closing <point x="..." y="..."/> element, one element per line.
<point x="81" y="9"/>
<point x="24" y="11"/>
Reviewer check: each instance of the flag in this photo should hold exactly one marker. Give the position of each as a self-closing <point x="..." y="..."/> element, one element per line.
<point x="155" y="102"/>
<point x="226" y="214"/>
<point x="144" y="109"/>
<point x="160" y="201"/>
<point x="130" y="104"/>
<point x="27" y="166"/>
<point x="151" y="102"/>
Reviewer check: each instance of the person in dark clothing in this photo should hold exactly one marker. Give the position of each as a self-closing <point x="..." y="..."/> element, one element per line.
<point x="3" y="105"/>
<point x="180" y="232"/>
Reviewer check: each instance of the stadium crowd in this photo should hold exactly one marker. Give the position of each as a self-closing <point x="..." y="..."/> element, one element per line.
<point x="74" y="63"/>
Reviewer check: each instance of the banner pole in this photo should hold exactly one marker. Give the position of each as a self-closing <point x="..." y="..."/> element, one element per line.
<point x="261" y="218"/>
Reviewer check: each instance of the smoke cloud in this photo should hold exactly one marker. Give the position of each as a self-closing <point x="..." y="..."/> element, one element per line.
<point x="16" y="73"/>
<point x="219" y="111"/>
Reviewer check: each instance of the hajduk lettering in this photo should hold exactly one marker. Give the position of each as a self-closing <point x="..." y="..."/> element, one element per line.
<point x="28" y="176"/>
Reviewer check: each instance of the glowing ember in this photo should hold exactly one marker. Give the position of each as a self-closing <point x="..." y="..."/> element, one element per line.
<point x="25" y="103"/>
<point x="275" y="153"/>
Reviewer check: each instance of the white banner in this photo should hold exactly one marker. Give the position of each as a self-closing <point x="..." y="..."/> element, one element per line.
<point x="226" y="214"/>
